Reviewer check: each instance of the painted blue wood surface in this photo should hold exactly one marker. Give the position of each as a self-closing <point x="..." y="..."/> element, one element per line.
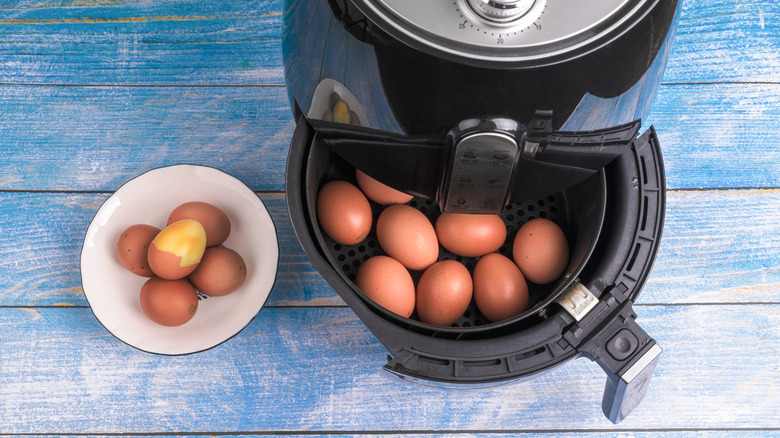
<point x="318" y="369"/>
<point x="93" y="93"/>
<point x="131" y="42"/>
<point x="96" y="138"/>
<point x="736" y="41"/>
<point x="719" y="135"/>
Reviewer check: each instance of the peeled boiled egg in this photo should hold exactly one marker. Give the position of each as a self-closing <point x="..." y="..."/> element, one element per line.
<point x="470" y="235"/>
<point x="541" y="251"/>
<point x="380" y="193"/>
<point x="387" y="282"/>
<point x="500" y="290"/>
<point x="443" y="293"/>
<point x="344" y="212"/>
<point x="176" y="250"/>
<point x="214" y="221"/>
<point x="221" y="271"/>
<point x="132" y="248"/>
<point x="406" y="235"/>
<point x="169" y="302"/>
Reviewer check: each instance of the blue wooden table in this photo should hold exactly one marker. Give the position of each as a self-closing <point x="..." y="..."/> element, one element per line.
<point x="94" y="93"/>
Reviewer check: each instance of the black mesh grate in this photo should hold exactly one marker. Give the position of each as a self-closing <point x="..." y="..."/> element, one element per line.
<point x="349" y="257"/>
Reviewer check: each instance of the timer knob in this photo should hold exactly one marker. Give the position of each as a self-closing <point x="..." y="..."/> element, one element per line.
<point x="501" y="11"/>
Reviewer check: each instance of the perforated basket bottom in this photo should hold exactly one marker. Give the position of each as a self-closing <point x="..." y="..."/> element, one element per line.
<point x="553" y="207"/>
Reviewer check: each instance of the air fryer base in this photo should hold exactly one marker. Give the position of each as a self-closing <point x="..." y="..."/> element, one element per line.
<point x="615" y="274"/>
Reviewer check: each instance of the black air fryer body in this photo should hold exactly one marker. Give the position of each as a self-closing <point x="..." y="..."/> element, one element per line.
<point x="421" y="93"/>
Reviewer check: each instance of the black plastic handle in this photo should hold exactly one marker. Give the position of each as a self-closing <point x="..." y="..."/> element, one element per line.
<point x="608" y="333"/>
<point x="584" y="150"/>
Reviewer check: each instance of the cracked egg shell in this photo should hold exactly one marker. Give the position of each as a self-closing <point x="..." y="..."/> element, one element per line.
<point x="176" y="250"/>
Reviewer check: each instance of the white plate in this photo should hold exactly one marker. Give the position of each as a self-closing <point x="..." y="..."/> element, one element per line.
<point x="113" y="292"/>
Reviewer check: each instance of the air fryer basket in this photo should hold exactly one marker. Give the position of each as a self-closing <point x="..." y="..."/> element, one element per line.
<point x="579" y="211"/>
<point x="601" y="323"/>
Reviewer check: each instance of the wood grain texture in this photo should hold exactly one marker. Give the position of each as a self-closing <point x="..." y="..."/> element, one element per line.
<point x="318" y="370"/>
<point x="719" y="135"/>
<point x="133" y="43"/>
<point x="717" y="247"/>
<point x="95" y="138"/>
<point x="726" y="41"/>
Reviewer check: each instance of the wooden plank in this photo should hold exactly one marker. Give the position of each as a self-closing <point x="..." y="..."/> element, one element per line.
<point x="720" y="135"/>
<point x="318" y="370"/>
<point x="172" y="42"/>
<point x="95" y="138"/>
<point x="726" y="41"/>
<point x="717" y="247"/>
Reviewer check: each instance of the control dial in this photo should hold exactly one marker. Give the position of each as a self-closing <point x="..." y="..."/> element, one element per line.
<point x="501" y="11"/>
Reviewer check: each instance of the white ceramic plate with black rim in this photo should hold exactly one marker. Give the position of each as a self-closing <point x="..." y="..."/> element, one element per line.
<point x="113" y="292"/>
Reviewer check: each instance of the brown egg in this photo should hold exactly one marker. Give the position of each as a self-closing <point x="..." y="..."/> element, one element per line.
<point x="406" y="235"/>
<point x="169" y="302"/>
<point x="214" y="221"/>
<point x="388" y="283"/>
<point x="132" y="248"/>
<point x="500" y="290"/>
<point x="443" y="293"/>
<point x="470" y="235"/>
<point x="344" y="212"/>
<point x="380" y="193"/>
<point x="221" y="271"/>
<point x="176" y="250"/>
<point x="541" y="251"/>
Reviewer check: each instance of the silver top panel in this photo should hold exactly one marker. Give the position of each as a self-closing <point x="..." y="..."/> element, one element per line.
<point x="512" y="30"/>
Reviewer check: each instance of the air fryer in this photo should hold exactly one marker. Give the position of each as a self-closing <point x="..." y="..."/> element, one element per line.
<point x="557" y="91"/>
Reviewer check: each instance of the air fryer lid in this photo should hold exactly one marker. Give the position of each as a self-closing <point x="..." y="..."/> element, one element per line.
<point x="571" y="50"/>
<point x="531" y="31"/>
